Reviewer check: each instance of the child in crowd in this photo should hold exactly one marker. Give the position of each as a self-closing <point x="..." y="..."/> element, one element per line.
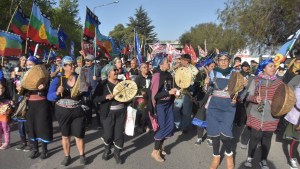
<point x="5" y="111"/>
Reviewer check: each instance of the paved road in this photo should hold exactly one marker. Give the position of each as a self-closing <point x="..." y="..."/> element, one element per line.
<point x="183" y="153"/>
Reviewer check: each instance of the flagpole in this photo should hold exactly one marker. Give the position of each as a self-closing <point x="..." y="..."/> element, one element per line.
<point x="49" y="55"/>
<point x="134" y="43"/>
<point x="205" y="49"/>
<point x="95" y="50"/>
<point x="13" y="16"/>
<point x="27" y="31"/>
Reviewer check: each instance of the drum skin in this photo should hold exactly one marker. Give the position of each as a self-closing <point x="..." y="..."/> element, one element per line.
<point x="34" y="77"/>
<point x="235" y="83"/>
<point x="125" y="91"/>
<point x="283" y="101"/>
<point x="183" y="77"/>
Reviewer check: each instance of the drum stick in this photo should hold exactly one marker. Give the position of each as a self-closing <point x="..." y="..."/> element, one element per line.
<point x="60" y="69"/>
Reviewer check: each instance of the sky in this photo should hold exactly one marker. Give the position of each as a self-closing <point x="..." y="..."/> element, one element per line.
<point x="171" y="18"/>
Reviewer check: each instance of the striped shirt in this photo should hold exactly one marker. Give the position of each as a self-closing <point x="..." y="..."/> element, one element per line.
<point x="263" y="120"/>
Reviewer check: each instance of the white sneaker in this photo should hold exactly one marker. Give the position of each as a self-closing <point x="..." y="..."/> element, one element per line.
<point x="209" y="142"/>
<point x="248" y="162"/>
<point x="293" y="163"/>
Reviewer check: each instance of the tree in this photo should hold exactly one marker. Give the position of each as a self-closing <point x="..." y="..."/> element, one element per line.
<point x="7" y="8"/>
<point x="142" y="24"/>
<point x="264" y="24"/>
<point x="215" y="37"/>
<point x="119" y="33"/>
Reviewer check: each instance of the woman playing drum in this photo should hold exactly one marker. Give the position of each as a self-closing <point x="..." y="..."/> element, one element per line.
<point x="220" y="112"/>
<point x="68" y="111"/>
<point x="260" y="119"/>
<point x="38" y="116"/>
<point x="112" y="114"/>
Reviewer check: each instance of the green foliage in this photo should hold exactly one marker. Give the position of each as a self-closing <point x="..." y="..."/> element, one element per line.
<point x="215" y="36"/>
<point x="7" y="8"/>
<point x="264" y="24"/>
<point x="142" y="24"/>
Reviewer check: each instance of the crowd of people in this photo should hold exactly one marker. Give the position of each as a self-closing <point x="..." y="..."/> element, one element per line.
<point x="162" y="106"/>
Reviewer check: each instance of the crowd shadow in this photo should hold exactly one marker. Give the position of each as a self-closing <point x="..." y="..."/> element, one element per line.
<point x="139" y="143"/>
<point x="181" y="138"/>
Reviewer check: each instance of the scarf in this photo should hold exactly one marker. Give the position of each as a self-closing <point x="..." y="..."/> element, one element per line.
<point x="224" y="72"/>
<point x="266" y="77"/>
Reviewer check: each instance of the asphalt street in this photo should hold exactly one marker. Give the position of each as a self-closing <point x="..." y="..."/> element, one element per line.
<point x="183" y="154"/>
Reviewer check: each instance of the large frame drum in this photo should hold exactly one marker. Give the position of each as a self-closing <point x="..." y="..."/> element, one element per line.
<point x="283" y="101"/>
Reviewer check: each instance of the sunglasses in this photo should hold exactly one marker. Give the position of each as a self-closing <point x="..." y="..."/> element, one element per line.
<point x="116" y="70"/>
<point x="67" y="65"/>
<point x="88" y="61"/>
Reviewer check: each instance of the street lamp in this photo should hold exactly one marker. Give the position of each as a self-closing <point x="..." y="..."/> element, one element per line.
<point x="114" y="2"/>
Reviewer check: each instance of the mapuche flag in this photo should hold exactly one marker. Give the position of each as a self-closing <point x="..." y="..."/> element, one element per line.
<point x="91" y="22"/>
<point x="10" y="44"/>
<point x="19" y="23"/>
<point x="108" y="43"/>
<point x="40" y="30"/>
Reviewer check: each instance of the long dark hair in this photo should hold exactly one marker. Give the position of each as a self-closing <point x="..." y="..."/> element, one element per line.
<point x="5" y="94"/>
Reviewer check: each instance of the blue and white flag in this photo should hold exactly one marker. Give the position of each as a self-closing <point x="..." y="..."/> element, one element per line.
<point x="62" y="39"/>
<point x="137" y="48"/>
<point x="72" y="44"/>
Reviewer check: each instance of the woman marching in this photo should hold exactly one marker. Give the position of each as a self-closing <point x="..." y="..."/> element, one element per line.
<point x="221" y="111"/>
<point x="38" y="116"/>
<point x="260" y="120"/>
<point x="202" y="94"/>
<point x="112" y="114"/>
<point x="161" y="105"/>
<point x="69" y="114"/>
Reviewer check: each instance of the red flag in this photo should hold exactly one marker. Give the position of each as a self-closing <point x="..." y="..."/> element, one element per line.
<point x="189" y="50"/>
<point x="126" y="50"/>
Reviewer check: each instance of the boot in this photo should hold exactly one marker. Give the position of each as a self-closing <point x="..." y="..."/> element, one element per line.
<point x="156" y="155"/>
<point x="229" y="160"/>
<point x="44" y="154"/>
<point x="35" y="150"/>
<point x="215" y="162"/>
<point x="117" y="156"/>
<point x="106" y="153"/>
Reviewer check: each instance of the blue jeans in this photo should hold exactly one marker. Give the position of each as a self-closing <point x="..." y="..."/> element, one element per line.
<point x="182" y="112"/>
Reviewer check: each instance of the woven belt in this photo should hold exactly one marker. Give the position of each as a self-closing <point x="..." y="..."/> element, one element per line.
<point x="68" y="103"/>
<point x="117" y="107"/>
<point x="221" y="93"/>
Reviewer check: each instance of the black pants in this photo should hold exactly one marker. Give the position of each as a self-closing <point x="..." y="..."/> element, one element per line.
<point x="240" y="115"/>
<point x="200" y="132"/>
<point x="265" y="137"/>
<point x="226" y="143"/>
<point x="113" y="127"/>
<point x="245" y="136"/>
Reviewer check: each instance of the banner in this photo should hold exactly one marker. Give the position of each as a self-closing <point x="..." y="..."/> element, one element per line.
<point x="72" y="47"/>
<point x="137" y="47"/>
<point x="62" y="39"/>
<point x="91" y="22"/>
<point x="285" y="49"/>
<point x="40" y="30"/>
<point x="10" y="44"/>
<point x="19" y="24"/>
